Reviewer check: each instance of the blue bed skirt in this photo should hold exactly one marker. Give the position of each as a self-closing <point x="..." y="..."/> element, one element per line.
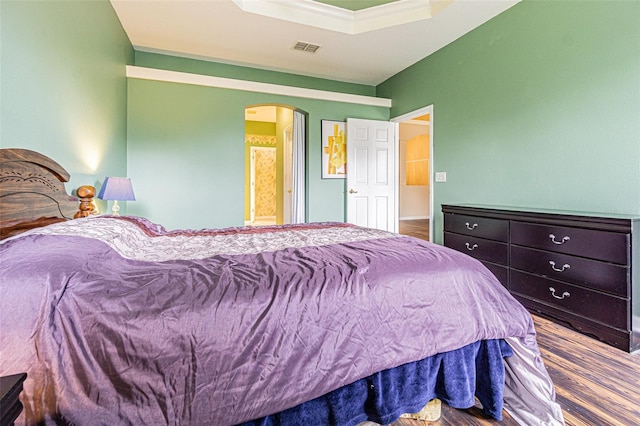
<point x="454" y="377"/>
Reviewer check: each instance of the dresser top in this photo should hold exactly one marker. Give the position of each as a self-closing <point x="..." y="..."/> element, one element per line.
<point x="533" y="210"/>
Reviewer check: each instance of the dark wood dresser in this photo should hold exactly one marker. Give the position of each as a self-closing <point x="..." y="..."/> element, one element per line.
<point x="10" y="405"/>
<point x="572" y="267"/>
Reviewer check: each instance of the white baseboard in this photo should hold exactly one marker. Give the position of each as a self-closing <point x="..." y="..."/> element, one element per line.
<point x="413" y="217"/>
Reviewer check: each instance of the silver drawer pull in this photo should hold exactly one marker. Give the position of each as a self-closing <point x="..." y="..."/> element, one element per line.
<point x="553" y="239"/>
<point x="471" y="248"/>
<point x="553" y="266"/>
<point x="471" y="227"/>
<point x="553" y="293"/>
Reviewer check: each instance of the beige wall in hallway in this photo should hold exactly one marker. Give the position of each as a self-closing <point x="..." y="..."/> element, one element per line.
<point x="413" y="199"/>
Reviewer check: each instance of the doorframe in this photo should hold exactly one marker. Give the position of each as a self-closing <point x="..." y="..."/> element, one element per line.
<point x="287" y="139"/>
<point x="406" y="117"/>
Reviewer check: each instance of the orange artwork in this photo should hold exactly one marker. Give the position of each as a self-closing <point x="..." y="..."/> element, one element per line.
<point x="334" y="149"/>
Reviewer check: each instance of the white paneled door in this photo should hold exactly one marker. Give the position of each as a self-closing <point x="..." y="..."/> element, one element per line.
<point x="371" y="174"/>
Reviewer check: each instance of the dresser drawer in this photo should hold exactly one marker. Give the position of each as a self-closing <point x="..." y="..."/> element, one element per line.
<point x="591" y="243"/>
<point x="621" y="339"/>
<point x="491" y="251"/>
<point x="594" y="274"/>
<point x="482" y="227"/>
<point x="597" y="306"/>
<point x="501" y="273"/>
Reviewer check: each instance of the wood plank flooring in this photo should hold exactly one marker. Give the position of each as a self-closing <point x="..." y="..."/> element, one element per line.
<point x="596" y="384"/>
<point x="418" y="228"/>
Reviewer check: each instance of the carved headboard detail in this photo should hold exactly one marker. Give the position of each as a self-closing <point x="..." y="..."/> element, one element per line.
<point x="32" y="191"/>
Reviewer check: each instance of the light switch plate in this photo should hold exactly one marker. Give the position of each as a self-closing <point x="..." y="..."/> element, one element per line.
<point x="441" y="176"/>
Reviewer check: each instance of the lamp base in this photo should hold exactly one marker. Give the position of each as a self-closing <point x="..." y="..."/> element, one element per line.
<point x="115" y="209"/>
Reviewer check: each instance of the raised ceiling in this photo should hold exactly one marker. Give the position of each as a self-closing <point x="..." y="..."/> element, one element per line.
<point x="358" y="41"/>
<point x="355" y="4"/>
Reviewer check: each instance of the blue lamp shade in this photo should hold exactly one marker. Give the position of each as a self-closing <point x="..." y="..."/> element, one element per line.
<point x="117" y="188"/>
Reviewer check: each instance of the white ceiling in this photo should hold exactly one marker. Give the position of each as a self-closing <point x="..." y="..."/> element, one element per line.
<point x="366" y="46"/>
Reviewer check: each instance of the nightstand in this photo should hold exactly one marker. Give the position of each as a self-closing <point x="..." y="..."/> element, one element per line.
<point x="10" y="405"/>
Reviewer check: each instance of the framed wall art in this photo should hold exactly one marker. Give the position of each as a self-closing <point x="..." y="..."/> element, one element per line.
<point x="334" y="149"/>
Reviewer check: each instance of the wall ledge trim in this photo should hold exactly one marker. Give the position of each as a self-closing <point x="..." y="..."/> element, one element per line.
<point x="252" y="86"/>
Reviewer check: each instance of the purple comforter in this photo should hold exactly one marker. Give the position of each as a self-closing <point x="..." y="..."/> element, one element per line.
<point x="119" y="321"/>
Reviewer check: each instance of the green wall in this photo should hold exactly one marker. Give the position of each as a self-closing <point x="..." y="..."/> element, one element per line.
<point x="186" y="152"/>
<point x="63" y="85"/>
<point x="259" y="128"/>
<point x="539" y="107"/>
<point x="174" y="63"/>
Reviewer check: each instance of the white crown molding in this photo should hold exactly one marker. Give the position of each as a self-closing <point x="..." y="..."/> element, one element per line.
<point x="252" y="86"/>
<point x="334" y="18"/>
<point x="391" y="14"/>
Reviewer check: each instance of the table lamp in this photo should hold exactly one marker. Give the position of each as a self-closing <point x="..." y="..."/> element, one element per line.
<point x="116" y="188"/>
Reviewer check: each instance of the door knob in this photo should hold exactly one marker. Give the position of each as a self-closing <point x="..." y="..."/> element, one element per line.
<point x="351" y="191"/>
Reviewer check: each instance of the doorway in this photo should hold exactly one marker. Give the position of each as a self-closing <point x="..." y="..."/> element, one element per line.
<point x="262" y="185"/>
<point x="371" y="181"/>
<point x="278" y="181"/>
<point x="415" y="182"/>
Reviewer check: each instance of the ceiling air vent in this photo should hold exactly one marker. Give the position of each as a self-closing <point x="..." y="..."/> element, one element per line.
<point x="306" y="47"/>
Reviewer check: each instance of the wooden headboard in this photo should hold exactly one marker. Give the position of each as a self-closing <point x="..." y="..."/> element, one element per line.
<point x="32" y="191"/>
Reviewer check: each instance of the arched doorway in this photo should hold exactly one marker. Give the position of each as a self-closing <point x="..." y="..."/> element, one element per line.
<point x="275" y="177"/>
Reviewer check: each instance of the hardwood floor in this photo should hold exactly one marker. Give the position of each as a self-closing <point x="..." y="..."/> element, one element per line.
<point x="418" y="228"/>
<point x="596" y="384"/>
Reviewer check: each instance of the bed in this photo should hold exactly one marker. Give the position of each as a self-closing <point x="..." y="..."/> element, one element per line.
<point x="117" y="320"/>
